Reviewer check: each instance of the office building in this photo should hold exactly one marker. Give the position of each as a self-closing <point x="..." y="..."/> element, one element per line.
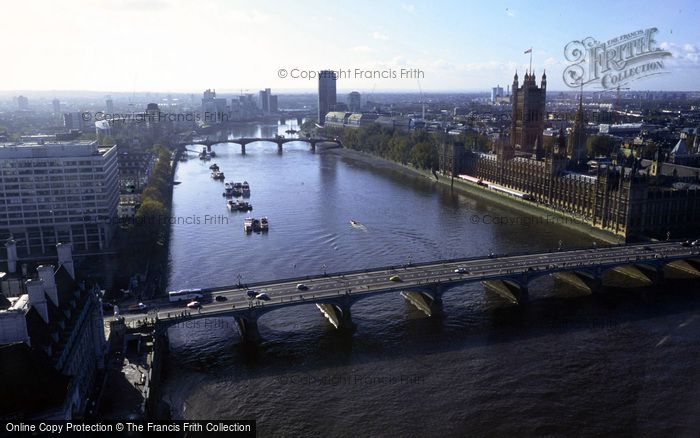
<point x="326" y="94"/>
<point x="214" y="109"/>
<point x="264" y="97"/>
<point x="496" y="92"/>
<point x="268" y="101"/>
<point x="354" y="104"/>
<point x="81" y="121"/>
<point x="58" y="192"/>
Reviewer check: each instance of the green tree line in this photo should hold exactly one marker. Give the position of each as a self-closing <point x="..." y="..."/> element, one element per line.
<point x="417" y="148"/>
<point x="152" y="217"/>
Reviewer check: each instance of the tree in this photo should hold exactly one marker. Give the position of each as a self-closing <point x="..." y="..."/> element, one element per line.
<point x="309" y="124"/>
<point x="601" y="145"/>
<point x="424" y="155"/>
<point x="150" y="221"/>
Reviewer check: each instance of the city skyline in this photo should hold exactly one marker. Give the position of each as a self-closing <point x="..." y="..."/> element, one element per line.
<point x="120" y="47"/>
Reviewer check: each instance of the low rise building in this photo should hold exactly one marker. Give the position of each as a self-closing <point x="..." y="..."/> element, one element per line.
<point x="355" y="120"/>
<point x="337" y="118"/>
<point x="128" y="205"/>
<point x="51" y="344"/>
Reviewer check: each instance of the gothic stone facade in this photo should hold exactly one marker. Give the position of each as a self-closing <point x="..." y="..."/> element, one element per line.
<point x="620" y="200"/>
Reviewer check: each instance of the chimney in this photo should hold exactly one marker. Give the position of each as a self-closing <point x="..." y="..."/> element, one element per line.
<point x="46" y="274"/>
<point x="11" y="246"/>
<point x="65" y="257"/>
<point x="37" y="298"/>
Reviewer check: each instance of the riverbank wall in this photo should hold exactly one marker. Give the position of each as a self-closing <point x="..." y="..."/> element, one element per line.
<point x="538" y="213"/>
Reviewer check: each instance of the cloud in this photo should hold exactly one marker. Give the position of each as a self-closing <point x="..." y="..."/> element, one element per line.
<point x="441" y="65"/>
<point x="398" y="60"/>
<point x="691" y="52"/>
<point x="682" y="54"/>
<point x="379" y="36"/>
<point x="362" y="49"/>
<point x="411" y="9"/>
<point x="136" y="5"/>
<point x="249" y="16"/>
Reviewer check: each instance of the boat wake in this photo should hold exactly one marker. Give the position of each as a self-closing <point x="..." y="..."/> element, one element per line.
<point x="358" y="225"/>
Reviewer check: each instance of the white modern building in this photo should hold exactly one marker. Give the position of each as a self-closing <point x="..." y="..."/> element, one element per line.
<point x="58" y="192"/>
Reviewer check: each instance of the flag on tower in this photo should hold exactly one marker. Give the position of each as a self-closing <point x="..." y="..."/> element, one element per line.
<point x="529" y="50"/>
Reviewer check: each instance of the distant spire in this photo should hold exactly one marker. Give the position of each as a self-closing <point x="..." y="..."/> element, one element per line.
<point x="680" y="148"/>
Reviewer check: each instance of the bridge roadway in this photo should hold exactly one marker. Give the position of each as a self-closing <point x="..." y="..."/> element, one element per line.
<point x="422" y="284"/>
<point x="243" y="141"/>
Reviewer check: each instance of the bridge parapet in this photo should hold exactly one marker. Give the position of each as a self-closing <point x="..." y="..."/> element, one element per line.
<point x="424" y="283"/>
<point x="244" y="141"/>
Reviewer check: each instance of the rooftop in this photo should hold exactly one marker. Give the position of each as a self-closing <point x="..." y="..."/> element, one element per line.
<point x="53" y="149"/>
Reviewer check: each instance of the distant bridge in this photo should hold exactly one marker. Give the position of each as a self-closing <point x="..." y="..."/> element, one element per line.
<point x="423" y="284"/>
<point x="243" y="141"/>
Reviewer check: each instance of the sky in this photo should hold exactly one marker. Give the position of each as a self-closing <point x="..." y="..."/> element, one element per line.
<point x="192" y="45"/>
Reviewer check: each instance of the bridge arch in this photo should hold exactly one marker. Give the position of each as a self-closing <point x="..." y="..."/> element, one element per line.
<point x="275" y="319"/>
<point x="631" y="275"/>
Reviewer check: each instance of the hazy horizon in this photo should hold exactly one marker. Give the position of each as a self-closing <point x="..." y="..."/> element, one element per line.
<point x="55" y="93"/>
<point x="163" y="46"/>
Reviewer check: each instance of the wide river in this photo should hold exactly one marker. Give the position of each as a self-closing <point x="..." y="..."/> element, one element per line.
<point x="566" y="363"/>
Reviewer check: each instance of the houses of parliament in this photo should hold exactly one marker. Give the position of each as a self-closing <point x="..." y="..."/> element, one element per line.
<point x="627" y="197"/>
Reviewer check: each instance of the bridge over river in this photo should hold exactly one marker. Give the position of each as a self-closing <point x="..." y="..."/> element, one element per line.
<point x="244" y="141"/>
<point x="423" y="284"/>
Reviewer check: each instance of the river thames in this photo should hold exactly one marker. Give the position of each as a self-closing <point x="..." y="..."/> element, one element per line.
<point x="624" y="361"/>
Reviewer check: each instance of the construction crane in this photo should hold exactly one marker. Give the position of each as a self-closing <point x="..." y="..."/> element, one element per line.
<point x="371" y="95"/>
<point x="422" y="100"/>
<point x="616" y="108"/>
